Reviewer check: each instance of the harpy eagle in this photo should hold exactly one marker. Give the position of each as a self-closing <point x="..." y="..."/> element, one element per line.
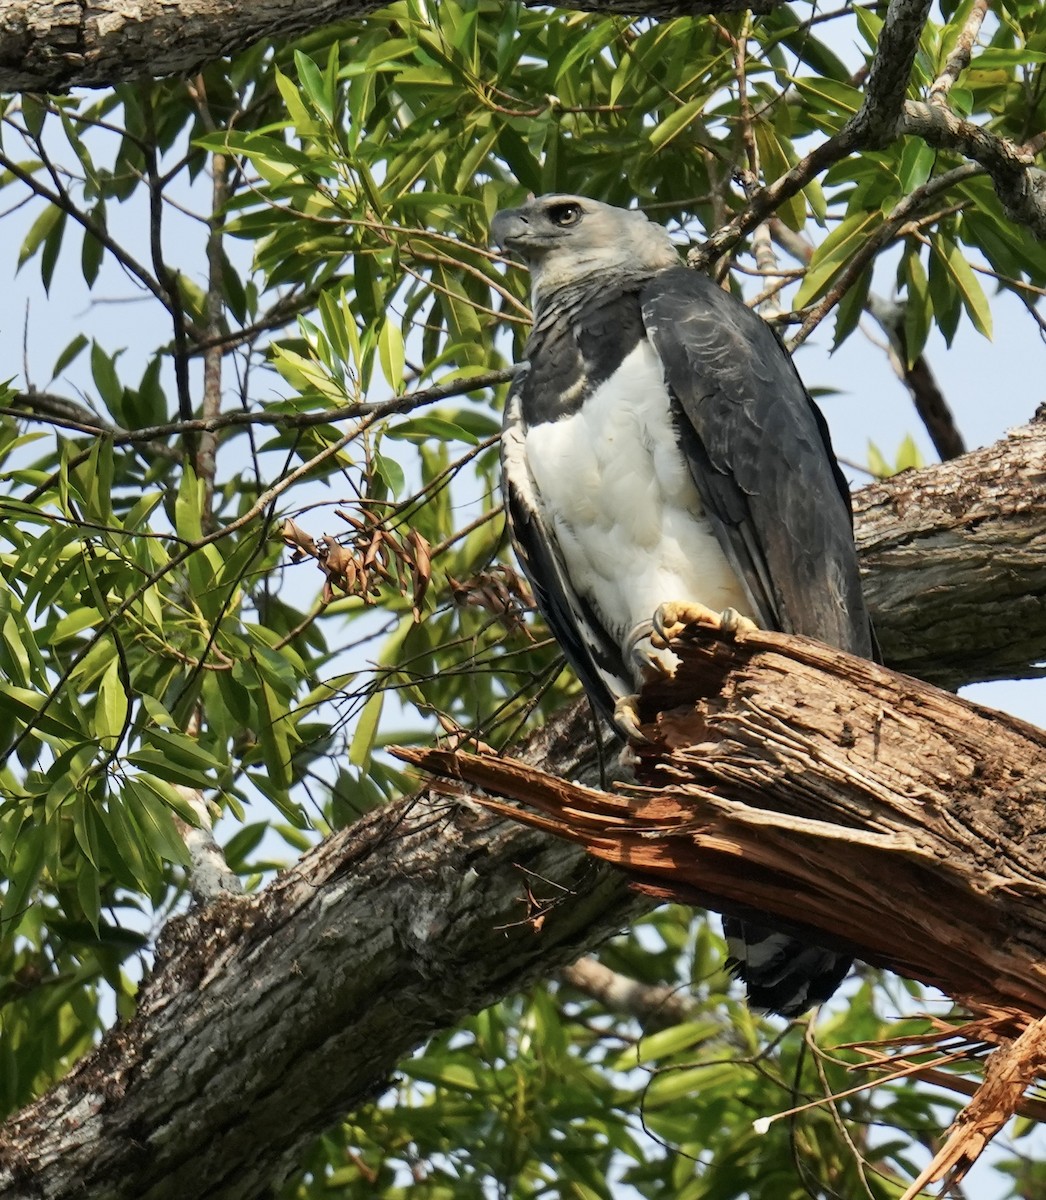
<point x="661" y="457"/>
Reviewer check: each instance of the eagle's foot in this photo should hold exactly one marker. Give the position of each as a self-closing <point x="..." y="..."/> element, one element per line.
<point x="626" y="718"/>
<point x="675" y="616"/>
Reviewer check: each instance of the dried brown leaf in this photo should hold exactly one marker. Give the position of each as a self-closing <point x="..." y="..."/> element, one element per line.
<point x="298" y="540"/>
<point x="421" y="570"/>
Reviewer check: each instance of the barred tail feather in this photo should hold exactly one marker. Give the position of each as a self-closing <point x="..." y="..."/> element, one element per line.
<point x="784" y="975"/>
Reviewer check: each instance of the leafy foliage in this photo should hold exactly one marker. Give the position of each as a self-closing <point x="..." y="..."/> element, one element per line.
<point x="321" y="347"/>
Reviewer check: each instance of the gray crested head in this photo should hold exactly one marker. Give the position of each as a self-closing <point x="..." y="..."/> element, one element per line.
<point x="568" y="240"/>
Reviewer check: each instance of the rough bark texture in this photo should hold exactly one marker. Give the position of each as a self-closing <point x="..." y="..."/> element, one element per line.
<point x="54" y="45"/>
<point x="954" y="563"/>
<point x="268" y="1017"/>
<point x="888" y="816"/>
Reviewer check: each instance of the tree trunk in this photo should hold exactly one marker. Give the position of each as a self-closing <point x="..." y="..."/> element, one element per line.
<point x="268" y="1017"/>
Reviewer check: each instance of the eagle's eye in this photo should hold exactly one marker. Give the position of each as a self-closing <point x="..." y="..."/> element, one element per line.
<point x="565" y="214"/>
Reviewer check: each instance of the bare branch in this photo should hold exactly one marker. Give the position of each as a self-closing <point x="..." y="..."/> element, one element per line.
<point x="653" y="1007"/>
<point x="959" y="59"/>
<point x="209" y="876"/>
<point x="1019" y="183"/>
<point x="930" y="404"/>
<point x="67" y="414"/>
<point x="874" y="124"/>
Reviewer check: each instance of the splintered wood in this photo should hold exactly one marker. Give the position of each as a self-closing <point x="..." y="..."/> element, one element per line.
<point x="870" y="811"/>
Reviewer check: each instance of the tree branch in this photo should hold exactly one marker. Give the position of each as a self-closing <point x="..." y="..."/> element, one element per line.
<point x="953" y="560"/>
<point x="68" y="414"/>
<point x="1019" y="183"/>
<point x="415" y="917"/>
<point x="788" y="778"/>
<point x="930" y="404"/>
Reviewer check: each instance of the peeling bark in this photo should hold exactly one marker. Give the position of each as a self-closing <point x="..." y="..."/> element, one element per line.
<point x="268" y="1017"/>
<point x="875" y="812"/>
<point x="857" y="806"/>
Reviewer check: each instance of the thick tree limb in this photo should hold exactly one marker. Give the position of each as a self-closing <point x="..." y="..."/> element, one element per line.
<point x="1019" y="183"/>
<point x="415" y="917"/>
<point x="901" y="822"/>
<point x="54" y="45"/>
<point x="954" y="563"/>
<point x="268" y="1017"/>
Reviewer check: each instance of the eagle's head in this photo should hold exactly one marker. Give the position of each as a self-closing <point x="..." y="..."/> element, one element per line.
<point x="567" y="239"/>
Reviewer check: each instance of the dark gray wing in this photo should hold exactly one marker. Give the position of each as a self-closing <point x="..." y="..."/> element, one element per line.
<point x="759" y="452"/>
<point x="760" y="455"/>
<point x="588" y="648"/>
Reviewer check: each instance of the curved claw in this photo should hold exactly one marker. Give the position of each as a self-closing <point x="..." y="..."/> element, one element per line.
<point x="644" y="653"/>
<point x="638" y="634"/>
<point x="626" y="718"/>
<point x="733" y="622"/>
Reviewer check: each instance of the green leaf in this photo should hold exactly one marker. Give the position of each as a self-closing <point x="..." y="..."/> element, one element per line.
<point x="391" y="353"/>
<point x="88" y="892"/>
<point x="303" y="120"/>
<point x="28" y="706"/>
<point x="775" y="162"/>
<point x="273" y="737"/>
<point x="996" y="58"/>
<point x="917" y="163"/>
<point x="111" y="707"/>
<point x="69" y="354"/>
<point x="918" y="308"/>
<point x="23" y="872"/>
<point x="833" y="254"/>
<point x="366" y="730"/>
<point x="154" y="762"/>
<point x="391" y="472"/>
<point x="314" y="84"/>
<point x="422" y="429"/>
<point x="134" y="853"/>
<point x="106" y="380"/>
<point x="909" y="457"/>
<point x="947" y="301"/>
<point x="973" y="298"/>
<point x="188" y="516"/>
<point x="181" y="748"/>
<point x="665" y="1043"/>
<point x="666" y="130"/>
<point x="851" y="307"/>
<point x="50" y="219"/>
<point x="877" y="464"/>
<point x="153" y="817"/>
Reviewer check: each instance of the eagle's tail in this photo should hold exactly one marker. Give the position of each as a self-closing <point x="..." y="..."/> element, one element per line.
<point x="784" y="975"/>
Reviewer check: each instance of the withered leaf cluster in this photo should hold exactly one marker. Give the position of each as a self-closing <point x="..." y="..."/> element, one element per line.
<point x="372" y="554"/>
<point x="499" y="590"/>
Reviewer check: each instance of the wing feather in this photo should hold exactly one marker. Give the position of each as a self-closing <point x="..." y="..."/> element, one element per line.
<point x="760" y="455"/>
